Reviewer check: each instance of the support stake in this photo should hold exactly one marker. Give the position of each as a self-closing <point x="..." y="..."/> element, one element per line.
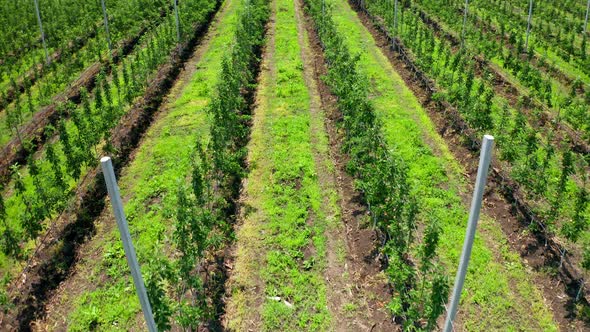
<point x="528" y="26"/>
<point x="586" y="20"/>
<point x="395" y="21"/>
<point x="113" y="189"/>
<point x="177" y="20"/>
<point x="106" y="26"/>
<point x="41" y="29"/>
<point x="464" y="23"/>
<point x="395" y="17"/>
<point x="480" y="183"/>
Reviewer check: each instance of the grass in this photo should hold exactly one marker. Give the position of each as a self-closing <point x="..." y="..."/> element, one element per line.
<point x="149" y="186"/>
<point x="499" y="293"/>
<point x="281" y="245"/>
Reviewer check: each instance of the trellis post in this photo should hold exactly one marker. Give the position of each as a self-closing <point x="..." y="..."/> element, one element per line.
<point x="586" y="20"/>
<point x="528" y="26"/>
<point x="395" y="20"/>
<point x="106" y="26"/>
<point x="41" y="29"/>
<point x="464" y="22"/>
<point x="177" y="20"/>
<point x="117" y="204"/>
<point x="480" y="183"/>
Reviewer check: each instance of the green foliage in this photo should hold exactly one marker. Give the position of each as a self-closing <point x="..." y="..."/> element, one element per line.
<point x="382" y="177"/>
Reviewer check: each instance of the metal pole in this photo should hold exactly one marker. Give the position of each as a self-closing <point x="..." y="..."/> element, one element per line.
<point x="480" y="182"/>
<point x="113" y="189"/>
<point x="586" y="20"/>
<point x="106" y="26"/>
<point x="528" y="27"/>
<point x="464" y="22"/>
<point x="41" y="29"/>
<point x="177" y="20"/>
<point x="395" y="18"/>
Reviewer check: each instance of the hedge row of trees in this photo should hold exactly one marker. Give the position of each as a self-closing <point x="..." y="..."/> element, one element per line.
<point x="64" y="21"/>
<point x="204" y="208"/>
<point x="552" y="176"/>
<point x="506" y="45"/>
<point x="419" y="282"/>
<point x="41" y="82"/>
<point x="550" y="28"/>
<point x="43" y="188"/>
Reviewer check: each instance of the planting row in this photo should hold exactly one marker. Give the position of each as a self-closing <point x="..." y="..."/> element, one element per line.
<point x="567" y="98"/>
<point x="40" y="191"/>
<point x="190" y="223"/>
<point x="413" y="189"/>
<point x="553" y="177"/>
<point x="65" y="23"/>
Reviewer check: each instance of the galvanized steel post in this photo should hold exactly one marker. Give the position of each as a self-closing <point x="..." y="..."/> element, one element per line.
<point x="586" y="20"/>
<point x="177" y="20"/>
<point x="113" y="190"/>
<point x="464" y="22"/>
<point x="106" y="26"/>
<point x="528" y="27"/>
<point x="480" y="183"/>
<point x="41" y="29"/>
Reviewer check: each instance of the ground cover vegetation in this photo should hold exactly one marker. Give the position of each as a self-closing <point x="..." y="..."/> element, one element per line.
<point x="566" y="94"/>
<point x="429" y="178"/>
<point x="29" y="102"/>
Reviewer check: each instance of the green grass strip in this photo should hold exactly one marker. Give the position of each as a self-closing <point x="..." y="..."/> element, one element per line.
<point x="284" y="196"/>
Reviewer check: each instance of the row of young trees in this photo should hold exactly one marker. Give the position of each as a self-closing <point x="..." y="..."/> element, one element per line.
<point x="534" y="72"/>
<point x="570" y="45"/>
<point x="64" y="21"/>
<point x="419" y="282"/>
<point x="553" y="176"/>
<point x="204" y="208"/>
<point x="43" y="188"/>
<point x="33" y="76"/>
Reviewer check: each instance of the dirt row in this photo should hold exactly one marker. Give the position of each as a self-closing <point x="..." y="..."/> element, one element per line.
<point x="55" y="256"/>
<point x="503" y="199"/>
<point x="17" y="151"/>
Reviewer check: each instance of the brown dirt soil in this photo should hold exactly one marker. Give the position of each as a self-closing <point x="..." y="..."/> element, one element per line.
<point x="358" y="289"/>
<point x="56" y="255"/>
<point x="502" y="200"/>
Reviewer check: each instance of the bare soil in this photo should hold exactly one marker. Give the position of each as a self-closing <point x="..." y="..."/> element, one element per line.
<point x="366" y="285"/>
